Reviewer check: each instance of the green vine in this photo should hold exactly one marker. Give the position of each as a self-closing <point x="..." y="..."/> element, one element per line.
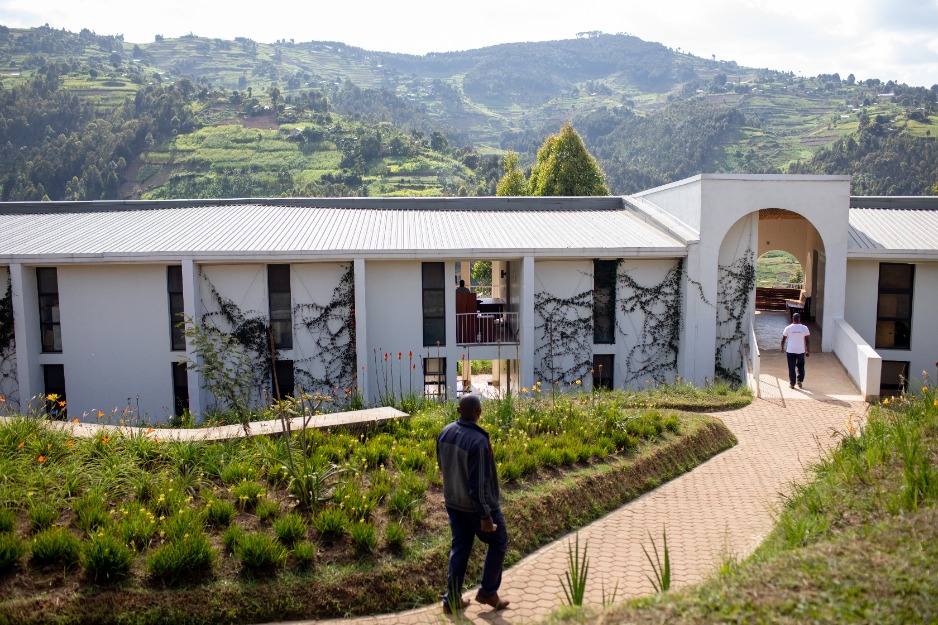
<point x="655" y="354"/>
<point x="736" y="283"/>
<point x="333" y="329"/>
<point x="566" y="332"/>
<point x="7" y="342"/>
<point x="251" y="330"/>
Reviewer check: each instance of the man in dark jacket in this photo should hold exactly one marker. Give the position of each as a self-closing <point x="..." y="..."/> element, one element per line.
<point x="470" y="489"/>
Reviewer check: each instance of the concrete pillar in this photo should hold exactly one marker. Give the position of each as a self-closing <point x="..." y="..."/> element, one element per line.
<point x="192" y="310"/>
<point x="526" y="322"/>
<point x="361" y="329"/>
<point x="26" y="332"/>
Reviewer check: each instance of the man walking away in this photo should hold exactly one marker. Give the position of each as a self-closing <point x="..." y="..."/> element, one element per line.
<point x="795" y="345"/>
<point x="470" y="490"/>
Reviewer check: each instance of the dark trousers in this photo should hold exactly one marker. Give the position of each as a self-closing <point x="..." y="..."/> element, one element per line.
<point x="795" y="361"/>
<point x="466" y="526"/>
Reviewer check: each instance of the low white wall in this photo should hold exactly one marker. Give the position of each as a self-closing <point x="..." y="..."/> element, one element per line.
<point x="861" y="361"/>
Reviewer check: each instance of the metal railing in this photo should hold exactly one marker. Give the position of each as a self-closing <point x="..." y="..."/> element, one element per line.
<point x="487" y="328"/>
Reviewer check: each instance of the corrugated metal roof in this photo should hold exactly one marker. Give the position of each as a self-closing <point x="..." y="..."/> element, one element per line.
<point x="251" y="229"/>
<point x="892" y="230"/>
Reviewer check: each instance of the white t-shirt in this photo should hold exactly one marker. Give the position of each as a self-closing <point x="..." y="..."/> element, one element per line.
<point x="797" y="334"/>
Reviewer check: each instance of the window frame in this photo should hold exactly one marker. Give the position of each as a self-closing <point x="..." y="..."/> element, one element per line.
<point x="58" y="408"/>
<point x="604" y="376"/>
<point x="894" y="319"/>
<point x="435" y="378"/>
<point x="177" y="308"/>
<point x="604" y="312"/>
<point x="49" y="322"/>
<point x="180" y="387"/>
<point x="280" y="318"/>
<point x="437" y="290"/>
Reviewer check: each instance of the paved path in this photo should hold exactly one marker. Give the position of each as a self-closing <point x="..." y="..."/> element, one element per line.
<point x="721" y="509"/>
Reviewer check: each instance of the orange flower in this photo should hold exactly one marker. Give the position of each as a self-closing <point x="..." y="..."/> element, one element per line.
<point x="150" y="431"/>
<point x="100" y="414"/>
<point x="62" y="403"/>
<point x="69" y="443"/>
<point x="75" y="420"/>
<point x="42" y="459"/>
<point x="20" y="446"/>
<point x="2" y="399"/>
<point x="105" y="439"/>
<point x="410" y="354"/>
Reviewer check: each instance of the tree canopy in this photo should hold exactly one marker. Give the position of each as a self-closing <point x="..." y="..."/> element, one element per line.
<point x="564" y="167"/>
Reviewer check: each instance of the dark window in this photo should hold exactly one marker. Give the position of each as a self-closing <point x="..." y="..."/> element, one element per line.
<point x="604" y="301"/>
<point x="177" y="334"/>
<point x="50" y="329"/>
<point x="894" y="307"/>
<point x="285" y="382"/>
<point x="281" y="305"/>
<point x="894" y="378"/>
<point x="603" y="370"/>
<point x="434" y="304"/>
<point x="434" y="376"/>
<point x="180" y="388"/>
<point x="53" y="380"/>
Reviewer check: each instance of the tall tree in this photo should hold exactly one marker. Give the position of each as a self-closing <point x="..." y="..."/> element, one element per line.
<point x="512" y="183"/>
<point x="565" y="167"/>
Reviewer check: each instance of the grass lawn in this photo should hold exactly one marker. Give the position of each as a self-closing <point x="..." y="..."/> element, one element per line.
<point x="858" y="544"/>
<point x="321" y="524"/>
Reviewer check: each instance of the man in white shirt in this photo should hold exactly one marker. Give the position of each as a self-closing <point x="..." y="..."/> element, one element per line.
<point x="795" y="345"/>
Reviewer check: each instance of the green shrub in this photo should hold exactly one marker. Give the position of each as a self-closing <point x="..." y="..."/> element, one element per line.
<point x="394" y="536"/>
<point x="259" y="551"/>
<point x="218" y="512"/>
<point x="247" y="493"/>
<point x="290" y="529"/>
<point x="91" y="513"/>
<point x="364" y="538"/>
<point x="331" y="521"/>
<point x="56" y="545"/>
<point x="239" y="471"/>
<point x="136" y="527"/>
<point x="7" y="520"/>
<point x="190" y="557"/>
<point x="305" y="554"/>
<point x="267" y="510"/>
<point x="412" y="459"/>
<point x="402" y="502"/>
<point x="42" y="514"/>
<point x="107" y="560"/>
<point x="232" y="537"/>
<point x="184" y="523"/>
<point x="12" y="548"/>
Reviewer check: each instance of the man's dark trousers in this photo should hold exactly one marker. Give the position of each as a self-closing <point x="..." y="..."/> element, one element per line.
<point x="466" y="526"/>
<point x="795" y="361"/>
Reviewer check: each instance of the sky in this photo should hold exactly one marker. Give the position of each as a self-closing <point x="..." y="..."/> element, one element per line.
<point x="885" y="39"/>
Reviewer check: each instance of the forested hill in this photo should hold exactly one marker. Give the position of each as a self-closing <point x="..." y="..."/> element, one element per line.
<point x="88" y="116"/>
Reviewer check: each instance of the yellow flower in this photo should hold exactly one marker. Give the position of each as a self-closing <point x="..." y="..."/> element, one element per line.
<point x="578" y="382"/>
<point x="885" y="400"/>
<point x="52" y="396"/>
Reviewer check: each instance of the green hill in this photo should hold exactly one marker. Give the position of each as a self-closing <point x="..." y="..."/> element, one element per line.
<point x="324" y="118"/>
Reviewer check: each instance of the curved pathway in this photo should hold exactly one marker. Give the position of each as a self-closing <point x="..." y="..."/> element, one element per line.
<point x="721" y="509"/>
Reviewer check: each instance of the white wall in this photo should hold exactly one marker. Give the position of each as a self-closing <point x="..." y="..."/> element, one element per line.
<point x="563" y="280"/>
<point x="245" y="285"/>
<point x="115" y="339"/>
<point x="631" y="326"/>
<point x="9" y="389"/>
<point x="395" y="324"/>
<point x="313" y="283"/>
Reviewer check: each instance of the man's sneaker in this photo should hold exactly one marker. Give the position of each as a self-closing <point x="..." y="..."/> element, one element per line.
<point x="799" y="384"/>
<point x="791" y="386"/>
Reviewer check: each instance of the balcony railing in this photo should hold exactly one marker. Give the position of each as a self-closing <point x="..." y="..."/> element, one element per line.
<point x="487" y="328"/>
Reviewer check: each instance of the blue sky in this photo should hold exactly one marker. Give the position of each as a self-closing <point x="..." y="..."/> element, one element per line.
<point x="886" y="39"/>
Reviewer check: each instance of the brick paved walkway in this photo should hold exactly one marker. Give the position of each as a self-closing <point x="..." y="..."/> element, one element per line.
<point x="722" y="508"/>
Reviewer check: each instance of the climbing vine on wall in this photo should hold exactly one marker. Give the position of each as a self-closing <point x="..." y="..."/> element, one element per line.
<point x="564" y="351"/>
<point x="7" y="344"/>
<point x="654" y="356"/>
<point x="250" y="329"/>
<point x="333" y="330"/>
<point x="736" y="284"/>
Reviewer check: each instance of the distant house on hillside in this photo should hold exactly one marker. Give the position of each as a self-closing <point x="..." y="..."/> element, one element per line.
<point x="359" y="294"/>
